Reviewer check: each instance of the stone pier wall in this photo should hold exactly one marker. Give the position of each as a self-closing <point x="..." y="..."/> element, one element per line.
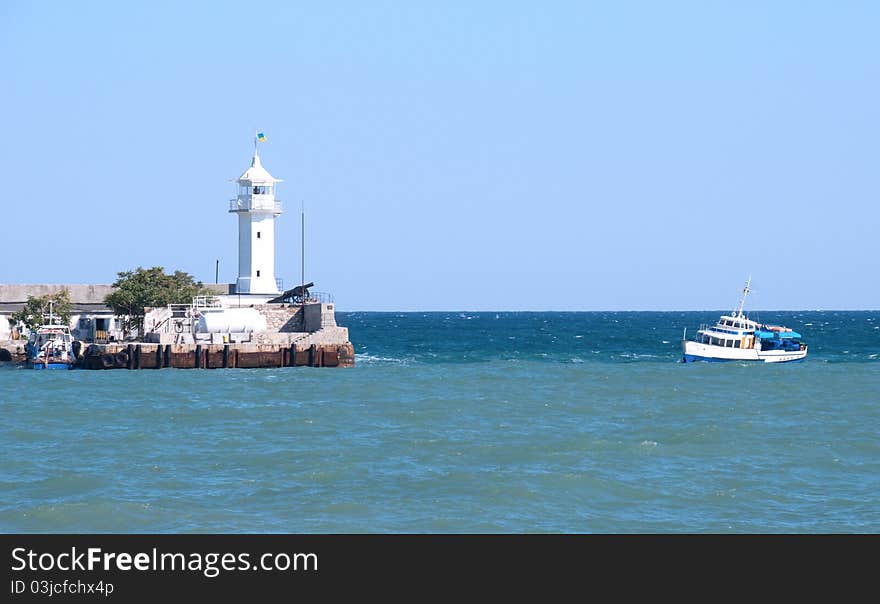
<point x="214" y="356"/>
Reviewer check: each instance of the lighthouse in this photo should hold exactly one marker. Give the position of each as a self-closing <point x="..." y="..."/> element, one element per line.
<point x="257" y="209"/>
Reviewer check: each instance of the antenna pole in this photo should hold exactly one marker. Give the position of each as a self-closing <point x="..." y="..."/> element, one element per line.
<point x="302" y="283"/>
<point x="742" y="300"/>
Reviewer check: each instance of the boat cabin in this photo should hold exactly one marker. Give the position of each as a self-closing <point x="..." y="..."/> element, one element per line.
<point x="787" y="340"/>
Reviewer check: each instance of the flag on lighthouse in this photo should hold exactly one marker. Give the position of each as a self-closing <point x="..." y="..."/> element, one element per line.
<point x="261" y="137"/>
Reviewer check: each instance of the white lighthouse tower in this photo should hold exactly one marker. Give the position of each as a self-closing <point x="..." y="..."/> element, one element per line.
<point x="257" y="210"/>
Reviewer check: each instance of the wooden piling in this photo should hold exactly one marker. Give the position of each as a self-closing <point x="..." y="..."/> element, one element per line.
<point x="230" y="355"/>
<point x="302" y="358"/>
<point x="330" y="358"/>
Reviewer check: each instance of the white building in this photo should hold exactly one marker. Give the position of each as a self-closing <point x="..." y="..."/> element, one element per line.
<point x="91" y="320"/>
<point x="257" y="209"/>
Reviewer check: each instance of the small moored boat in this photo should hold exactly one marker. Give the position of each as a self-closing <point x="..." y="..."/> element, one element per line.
<point x="50" y="346"/>
<point x="735" y="337"/>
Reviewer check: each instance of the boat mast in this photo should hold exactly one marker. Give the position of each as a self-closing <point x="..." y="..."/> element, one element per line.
<point x="742" y="300"/>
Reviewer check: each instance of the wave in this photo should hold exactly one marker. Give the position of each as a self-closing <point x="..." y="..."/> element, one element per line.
<point x="372" y="359"/>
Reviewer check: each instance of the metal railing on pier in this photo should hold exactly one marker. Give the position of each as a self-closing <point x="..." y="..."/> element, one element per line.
<point x="322" y="297"/>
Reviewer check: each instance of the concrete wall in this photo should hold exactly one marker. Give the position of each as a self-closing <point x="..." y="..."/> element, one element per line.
<point x="283" y="319"/>
<point x="220" y="289"/>
<point x="82" y="293"/>
<point x="319" y="316"/>
<point x="327" y="336"/>
<point x="286" y="319"/>
<point x="87" y="293"/>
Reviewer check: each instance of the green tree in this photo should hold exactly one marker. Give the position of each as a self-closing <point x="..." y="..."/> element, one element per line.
<point x="150" y="287"/>
<point x="35" y="307"/>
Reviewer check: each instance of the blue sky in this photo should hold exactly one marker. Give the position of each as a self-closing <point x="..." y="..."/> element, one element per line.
<point x="461" y="155"/>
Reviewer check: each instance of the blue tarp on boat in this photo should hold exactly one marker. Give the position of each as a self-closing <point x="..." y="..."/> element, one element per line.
<point x="769" y="335"/>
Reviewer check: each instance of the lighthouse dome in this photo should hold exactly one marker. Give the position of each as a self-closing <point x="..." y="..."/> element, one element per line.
<point x="257" y="173"/>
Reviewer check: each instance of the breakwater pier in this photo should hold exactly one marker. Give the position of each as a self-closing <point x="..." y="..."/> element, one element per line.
<point x="213" y="356"/>
<point x="214" y="332"/>
<point x="252" y="322"/>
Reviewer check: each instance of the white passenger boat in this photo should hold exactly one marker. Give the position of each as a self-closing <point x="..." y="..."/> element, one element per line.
<point x="735" y="337"/>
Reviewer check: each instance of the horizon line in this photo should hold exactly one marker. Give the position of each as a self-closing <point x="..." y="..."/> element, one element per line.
<point x="624" y="310"/>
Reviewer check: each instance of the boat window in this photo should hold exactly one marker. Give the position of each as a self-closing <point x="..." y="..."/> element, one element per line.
<point x="736" y="343"/>
<point x="729" y="343"/>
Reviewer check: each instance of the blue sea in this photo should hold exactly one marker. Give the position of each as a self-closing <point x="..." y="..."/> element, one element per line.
<point x="462" y="422"/>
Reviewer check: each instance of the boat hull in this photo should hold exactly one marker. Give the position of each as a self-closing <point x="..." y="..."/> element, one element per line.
<point x="695" y="352"/>
<point x="52" y="365"/>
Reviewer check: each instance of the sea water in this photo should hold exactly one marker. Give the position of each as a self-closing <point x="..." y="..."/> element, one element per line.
<point x="456" y="422"/>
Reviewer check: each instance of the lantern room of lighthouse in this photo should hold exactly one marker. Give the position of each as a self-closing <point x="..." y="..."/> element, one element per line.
<point x="257" y="209"/>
